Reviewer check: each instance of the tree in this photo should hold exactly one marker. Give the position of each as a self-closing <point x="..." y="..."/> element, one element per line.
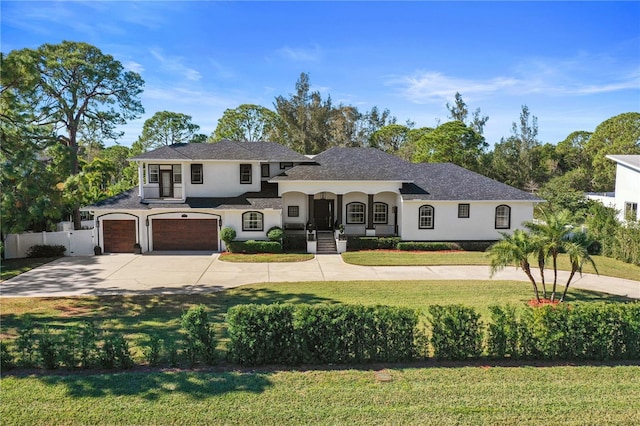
<point x="617" y="135"/>
<point x="459" y="112"/>
<point x="390" y="138"/>
<point x="167" y="128"/>
<point x="512" y="161"/>
<point x="571" y="152"/>
<point x="551" y="235"/>
<point x="577" y="247"/>
<point x="248" y="123"/>
<point x="451" y="142"/>
<point x="514" y="249"/>
<point x="73" y="86"/>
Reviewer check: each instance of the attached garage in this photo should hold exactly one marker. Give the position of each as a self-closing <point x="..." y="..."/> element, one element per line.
<point x="185" y="234"/>
<point x="119" y="235"/>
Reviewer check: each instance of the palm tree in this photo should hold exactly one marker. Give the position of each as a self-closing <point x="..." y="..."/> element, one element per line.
<point x="553" y="231"/>
<point x="542" y="255"/>
<point x="514" y="249"/>
<point x="576" y="248"/>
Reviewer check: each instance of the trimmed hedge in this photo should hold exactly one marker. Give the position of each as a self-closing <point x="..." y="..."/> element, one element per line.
<point x="46" y="251"/>
<point x="456" y="332"/>
<point x="320" y="334"/>
<point x="252" y="247"/>
<point x="427" y="246"/>
<point x="589" y="331"/>
<point x="372" y="243"/>
<point x="294" y="243"/>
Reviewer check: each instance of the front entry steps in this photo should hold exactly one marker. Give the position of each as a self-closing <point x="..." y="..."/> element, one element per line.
<point x="326" y="243"/>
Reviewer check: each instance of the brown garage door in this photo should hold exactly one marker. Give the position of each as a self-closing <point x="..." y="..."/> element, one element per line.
<point x="185" y="234"/>
<point x="119" y="235"/>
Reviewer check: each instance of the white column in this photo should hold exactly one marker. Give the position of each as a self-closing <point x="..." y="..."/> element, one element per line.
<point x="140" y="179"/>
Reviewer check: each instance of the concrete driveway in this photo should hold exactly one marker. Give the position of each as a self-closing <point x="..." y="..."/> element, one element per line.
<point x="204" y="272"/>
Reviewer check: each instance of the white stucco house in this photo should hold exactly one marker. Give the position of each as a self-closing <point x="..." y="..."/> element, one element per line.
<point x="626" y="196"/>
<point x="188" y="192"/>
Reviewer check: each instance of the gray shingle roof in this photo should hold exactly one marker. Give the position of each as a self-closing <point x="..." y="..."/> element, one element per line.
<point x="351" y="164"/>
<point x="129" y="200"/>
<point x="224" y="150"/>
<point x="446" y="181"/>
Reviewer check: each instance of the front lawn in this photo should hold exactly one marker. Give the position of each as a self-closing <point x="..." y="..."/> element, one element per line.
<point x="14" y="267"/>
<point x="437" y="395"/>
<point x="265" y="257"/>
<point x="606" y="265"/>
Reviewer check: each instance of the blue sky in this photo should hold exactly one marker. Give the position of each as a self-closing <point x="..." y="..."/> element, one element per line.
<point x="573" y="64"/>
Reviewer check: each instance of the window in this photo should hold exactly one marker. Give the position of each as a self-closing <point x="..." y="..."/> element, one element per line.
<point x="355" y="213"/>
<point x="293" y="211"/>
<point x="177" y="173"/>
<point x="380" y="215"/>
<point x="425" y="217"/>
<point x="264" y="170"/>
<point x="252" y="221"/>
<point x="630" y="211"/>
<point x="503" y="217"/>
<point x="196" y="173"/>
<point x="154" y="173"/>
<point x="286" y="165"/>
<point x="245" y="173"/>
<point x="463" y="211"/>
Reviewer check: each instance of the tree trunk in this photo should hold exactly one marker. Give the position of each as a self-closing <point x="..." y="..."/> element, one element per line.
<point x="527" y="271"/>
<point x="555" y="275"/>
<point x="75" y="169"/>
<point x="544" y="286"/>
<point x="564" y="294"/>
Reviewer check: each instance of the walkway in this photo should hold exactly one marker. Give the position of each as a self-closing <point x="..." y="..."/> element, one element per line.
<point x="198" y="272"/>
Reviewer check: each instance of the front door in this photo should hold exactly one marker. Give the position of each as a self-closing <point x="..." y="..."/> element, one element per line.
<point x="323" y="214"/>
<point x="166" y="184"/>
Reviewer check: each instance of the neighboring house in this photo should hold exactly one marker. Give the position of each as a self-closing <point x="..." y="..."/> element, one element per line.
<point x="626" y="197"/>
<point x="188" y="192"/>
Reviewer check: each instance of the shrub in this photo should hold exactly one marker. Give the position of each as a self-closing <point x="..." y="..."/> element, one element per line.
<point x="88" y="344"/>
<point x="252" y="247"/>
<point x="115" y="352"/>
<point x="227" y="235"/>
<point x="427" y="246"/>
<point x="502" y="339"/>
<point x="475" y="245"/>
<point x="262" y="334"/>
<point x="455" y="332"/>
<point x="45" y="251"/>
<point x="275" y="234"/>
<point x="7" y="360"/>
<point x="372" y="243"/>
<point x="48" y="348"/>
<point x="200" y="336"/>
<point x="153" y="350"/>
<point x="26" y="343"/>
<point x="68" y="348"/>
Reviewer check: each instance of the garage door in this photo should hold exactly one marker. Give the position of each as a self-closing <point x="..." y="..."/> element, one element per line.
<point x="185" y="234"/>
<point x="119" y="235"/>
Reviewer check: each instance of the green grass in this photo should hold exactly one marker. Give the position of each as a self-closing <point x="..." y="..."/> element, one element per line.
<point x="606" y="265"/>
<point x="265" y="257"/>
<point x="606" y="395"/>
<point x="14" y="267"/>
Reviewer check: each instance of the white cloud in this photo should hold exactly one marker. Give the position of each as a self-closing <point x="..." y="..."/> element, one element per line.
<point x="133" y="66"/>
<point x="175" y="64"/>
<point x="312" y="54"/>
<point x="583" y="75"/>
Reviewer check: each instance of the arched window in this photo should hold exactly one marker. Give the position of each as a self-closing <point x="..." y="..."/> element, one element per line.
<point x="503" y="217"/>
<point x="355" y="212"/>
<point x="380" y="213"/>
<point x="252" y="221"/>
<point x="426" y="215"/>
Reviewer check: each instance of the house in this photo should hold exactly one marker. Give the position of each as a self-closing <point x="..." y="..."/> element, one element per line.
<point x="188" y="192"/>
<point x="626" y="197"/>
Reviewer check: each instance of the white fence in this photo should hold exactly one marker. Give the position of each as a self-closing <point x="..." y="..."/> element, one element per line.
<point x="77" y="243"/>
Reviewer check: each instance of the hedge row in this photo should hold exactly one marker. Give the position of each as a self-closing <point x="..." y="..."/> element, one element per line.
<point x="44" y="250"/>
<point x="251" y="247"/>
<point x="320" y="334"/>
<point x="394" y="243"/>
<point x="593" y="331"/>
